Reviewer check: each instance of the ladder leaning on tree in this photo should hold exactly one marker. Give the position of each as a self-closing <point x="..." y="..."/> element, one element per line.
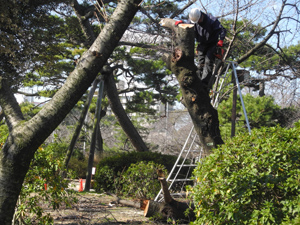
<point x="191" y="153"/>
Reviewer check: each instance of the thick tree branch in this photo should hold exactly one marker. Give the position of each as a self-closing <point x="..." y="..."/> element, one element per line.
<point x="83" y="21"/>
<point x="9" y="104"/>
<point x="120" y="113"/>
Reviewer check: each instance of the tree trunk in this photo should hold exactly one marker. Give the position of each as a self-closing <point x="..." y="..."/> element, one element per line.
<point x="138" y="204"/>
<point x="195" y="97"/>
<point x="116" y="106"/>
<point x="121" y="115"/>
<point x="94" y="138"/>
<point x="1" y="116"/>
<point x="170" y="208"/>
<point x="25" y="137"/>
<point x="99" y="141"/>
<point x="80" y="124"/>
<point x="261" y="92"/>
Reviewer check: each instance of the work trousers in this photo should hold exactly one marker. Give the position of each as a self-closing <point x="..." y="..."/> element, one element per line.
<point x="206" y="59"/>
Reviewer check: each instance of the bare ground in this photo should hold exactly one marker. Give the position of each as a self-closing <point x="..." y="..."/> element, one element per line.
<point x="96" y="209"/>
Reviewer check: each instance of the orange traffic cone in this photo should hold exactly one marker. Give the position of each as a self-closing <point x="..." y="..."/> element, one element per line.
<point x="80" y="185"/>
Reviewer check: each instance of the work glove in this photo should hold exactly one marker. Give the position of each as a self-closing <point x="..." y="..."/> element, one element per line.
<point x="178" y="22"/>
<point x="220" y="43"/>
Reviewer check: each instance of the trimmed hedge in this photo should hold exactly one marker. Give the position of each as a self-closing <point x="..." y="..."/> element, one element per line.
<point x="109" y="169"/>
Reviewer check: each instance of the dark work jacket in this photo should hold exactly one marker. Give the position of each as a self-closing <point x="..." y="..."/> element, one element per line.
<point x="209" y="31"/>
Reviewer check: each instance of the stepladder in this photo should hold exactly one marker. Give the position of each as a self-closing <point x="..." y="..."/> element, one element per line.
<point x="181" y="174"/>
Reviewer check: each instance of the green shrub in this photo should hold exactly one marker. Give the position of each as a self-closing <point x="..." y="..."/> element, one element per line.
<point x="253" y="179"/>
<point x="261" y="112"/>
<point x="140" y="180"/>
<point x="43" y="185"/>
<point x="105" y="180"/>
<point x="118" y="164"/>
<point x="78" y="167"/>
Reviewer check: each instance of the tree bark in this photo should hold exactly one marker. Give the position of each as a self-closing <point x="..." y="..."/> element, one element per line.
<point x="118" y="110"/>
<point x="25" y="137"/>
<point x="1" y="116"/>
<point x="261" y="92"/>
<point x="170" y="208"/>
<point x="138" y="204"/>
<point x="195" y="96"/>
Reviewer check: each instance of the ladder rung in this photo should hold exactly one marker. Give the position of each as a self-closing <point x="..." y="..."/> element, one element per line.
<point x="180" y="180"/>
<point x="178" y="194"/>
<point x="186" y="150"/>
<point x="173" y="194"/>
<point x="187" y="165"/>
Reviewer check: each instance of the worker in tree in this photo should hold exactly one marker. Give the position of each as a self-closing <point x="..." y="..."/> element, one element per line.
<point x="209" y="34"/>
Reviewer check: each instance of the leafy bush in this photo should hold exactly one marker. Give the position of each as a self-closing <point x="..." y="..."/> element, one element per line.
<point x="78" y="167"/>
<point x="253" y="179"/>
<point x="261" y="112"/>
<point x="109" y="169"/>
<point x="43" y="185"/>
<point x="58" y="149"/>
<point x="140" y="180"/>
<point x="106" y="180"/>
